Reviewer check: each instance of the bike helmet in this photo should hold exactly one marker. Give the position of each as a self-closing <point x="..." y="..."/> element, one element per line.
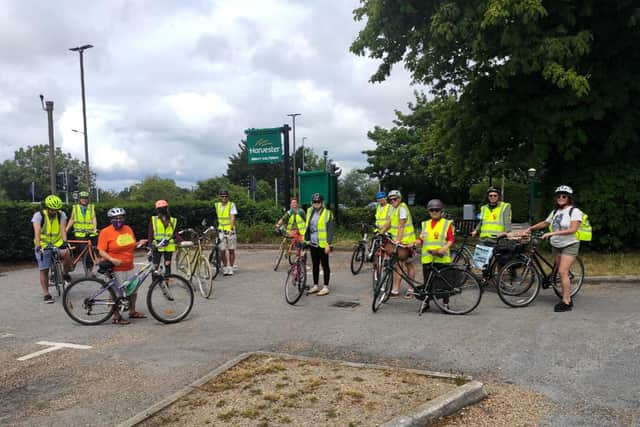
<point x="435" y="204"/>
<point x="53" y="202"/>
<point x="317" y="197"/>
<point x="84" y="195"/>
<point x="381" y="195"/>
<point x="223" y="193"/>
<point x="113" y="212"/>
<point x="395" y="193"/>
<point x="493" y="190"/>
<point x="565" y="189"/>
<point x="161" y="204"/>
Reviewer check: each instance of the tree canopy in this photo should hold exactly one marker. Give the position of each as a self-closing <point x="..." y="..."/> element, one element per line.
<point x="515" y="84"/>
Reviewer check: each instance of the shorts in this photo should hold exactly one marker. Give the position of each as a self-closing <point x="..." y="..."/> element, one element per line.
<point x="44" y="259"/>
<point x="228" y="242"/>
<point x="571" y="250"/>
<point x="123" y="276"/>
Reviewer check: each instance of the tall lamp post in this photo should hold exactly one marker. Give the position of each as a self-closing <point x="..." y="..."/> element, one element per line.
<point x="532" y="174"/>
<point x="48" y="107"/>
<point x="303" y="138"/>
<point x="80" y="50"/>
<point x="295" y="175"/>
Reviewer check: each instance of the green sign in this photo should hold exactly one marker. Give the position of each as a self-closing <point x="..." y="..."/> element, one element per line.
<point x="264" y="145"/>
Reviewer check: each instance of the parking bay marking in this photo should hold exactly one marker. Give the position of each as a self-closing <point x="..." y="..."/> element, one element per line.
<point x="53" y="346"/>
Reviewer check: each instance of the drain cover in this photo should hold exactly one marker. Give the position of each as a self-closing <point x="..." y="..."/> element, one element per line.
<point x="345" y="304"/>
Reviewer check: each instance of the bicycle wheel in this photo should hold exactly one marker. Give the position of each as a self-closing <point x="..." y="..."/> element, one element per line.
<point x="378" y="260"/>
<point x="383" y="290"/>
<point x="576" y="277"/>
<point x="56" y="277"/>
<point x="89" y="301"/>
<point x="295" y="283"/>
<point x="357" y="258"/>
<point x="170" y="298"/>
<point x="280" y="255"/>
<point x="461" y="257"/>
<point x="455" y="290"/>
<point x="214" y="261"/>
<point x="518" y="283"/>
<point x="203" y="276"/>
<point x="182" y="261"/>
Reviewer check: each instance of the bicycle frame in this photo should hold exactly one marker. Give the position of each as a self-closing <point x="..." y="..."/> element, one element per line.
<point x="87" y="249"/>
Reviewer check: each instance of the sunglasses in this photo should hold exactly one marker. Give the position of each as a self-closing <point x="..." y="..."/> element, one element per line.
<point x="223" y="197"/>
<point x="562" y="196"/>
<point x="316" y="201"/>
<point x="494" y="195"/>
<point x="393" y="199"/>
<point x="435" y="210"/>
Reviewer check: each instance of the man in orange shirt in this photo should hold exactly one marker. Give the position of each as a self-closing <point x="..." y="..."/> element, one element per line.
<point x="117" y="243"/>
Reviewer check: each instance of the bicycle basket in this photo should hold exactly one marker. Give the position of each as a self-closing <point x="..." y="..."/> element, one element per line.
<point x="403" y="253"/>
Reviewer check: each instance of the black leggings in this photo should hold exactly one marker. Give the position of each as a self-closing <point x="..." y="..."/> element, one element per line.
<point x="318" y="256"/>
<point x="167" y="260"/>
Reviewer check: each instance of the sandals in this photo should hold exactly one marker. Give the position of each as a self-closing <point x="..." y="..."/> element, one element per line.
<point x="394" y="294"/>
<point x="120" y="321"/>
<point x="137" y="315"/>
<point x="409" y="294"/>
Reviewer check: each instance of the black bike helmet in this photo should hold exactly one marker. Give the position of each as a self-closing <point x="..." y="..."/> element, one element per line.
<point x="317" y="197"/>
<point x="493" y="190"/>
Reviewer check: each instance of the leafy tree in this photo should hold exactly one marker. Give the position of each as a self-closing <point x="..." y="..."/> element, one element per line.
<point x="153" y="188"/>
<point x="356" y="189"/>
<point x="550" y="85"/>
<point x="32" y="165"/>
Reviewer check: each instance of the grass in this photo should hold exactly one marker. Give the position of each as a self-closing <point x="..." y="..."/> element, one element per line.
<point x="607" y="264"/>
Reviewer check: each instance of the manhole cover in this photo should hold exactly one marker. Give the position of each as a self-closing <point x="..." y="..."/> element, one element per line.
<point x="345" y="304"/>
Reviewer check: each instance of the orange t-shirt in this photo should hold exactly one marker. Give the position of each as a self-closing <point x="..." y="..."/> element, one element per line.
<point x="119" y="244"/>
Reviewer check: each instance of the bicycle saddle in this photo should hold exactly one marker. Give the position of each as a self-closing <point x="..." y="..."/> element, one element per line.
<point x="105" y="267"/>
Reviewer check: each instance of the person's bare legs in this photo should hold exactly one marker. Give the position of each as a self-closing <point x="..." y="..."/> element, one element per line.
<point x="232" y="257"/>
<point x="564" y="265"/>
<point x="44" y="281"/>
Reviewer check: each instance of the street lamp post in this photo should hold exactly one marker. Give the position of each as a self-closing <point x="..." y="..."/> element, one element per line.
<point x="80" y="50"/>
<point x="295" y="175"/>
<point x="532" y="174"/>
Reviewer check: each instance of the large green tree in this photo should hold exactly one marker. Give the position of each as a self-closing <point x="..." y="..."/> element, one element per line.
<point x="153" y="188"/>
<point x="31" y="164"/>
<point x="546" y="84"/>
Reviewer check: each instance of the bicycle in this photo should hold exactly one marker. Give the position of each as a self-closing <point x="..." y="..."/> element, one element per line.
<point x="364" y="250"/>
<point x="56" y="271"/>
<point x="287" y="246"/>
<point x="91" y="301"/>
<point x="88" y="252"/>
<point x="296" y="282"/>
<point x="191" y="262"/>
<point x="215" y="261"/>
<point x="520" y="280"/>
<point x="454" y="289"/>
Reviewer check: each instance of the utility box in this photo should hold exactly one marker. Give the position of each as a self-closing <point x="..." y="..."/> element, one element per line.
<point x="318" y="182"/>
<point x="468" y="212"/>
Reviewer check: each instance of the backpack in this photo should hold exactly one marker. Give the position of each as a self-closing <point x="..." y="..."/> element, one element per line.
<point x="584" y="233"/>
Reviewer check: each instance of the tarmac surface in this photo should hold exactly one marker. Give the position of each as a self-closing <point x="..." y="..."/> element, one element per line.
<point x="585" y="360"/>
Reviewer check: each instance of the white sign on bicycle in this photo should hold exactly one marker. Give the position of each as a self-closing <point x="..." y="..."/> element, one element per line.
<point x="482" y="256"/>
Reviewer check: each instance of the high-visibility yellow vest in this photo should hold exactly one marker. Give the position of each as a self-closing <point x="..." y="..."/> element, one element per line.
<point x="296" y="221"/>
<point x="325" y="217"/>
<point x="161" y="232"/>
<point x="224" y="216"/>
<point x="409" y="235"/>
<point x="493" y="220"/>
<point x="433" y="239"/>
<point x="50" y="232"/>
<point x="83" y="224"/>
<point x="382" y="215"/>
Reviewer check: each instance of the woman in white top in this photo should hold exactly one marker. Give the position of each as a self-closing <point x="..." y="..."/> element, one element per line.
<point x="565" y="220"/>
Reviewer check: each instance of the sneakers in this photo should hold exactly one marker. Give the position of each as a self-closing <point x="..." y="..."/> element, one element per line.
<point x="235" y="267"/>
<point x="227" y="271"/>
<point x="324" y="291"/>
<point x="313" y="290"/>
<point x="561" y="306"/>
<point x="67" y="277"/>
<point x="48" y="299"/>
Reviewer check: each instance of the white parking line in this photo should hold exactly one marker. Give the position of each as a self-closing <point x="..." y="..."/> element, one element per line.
<point x="53" y="346"/>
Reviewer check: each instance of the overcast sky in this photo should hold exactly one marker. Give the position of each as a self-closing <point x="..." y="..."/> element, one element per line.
<point x="171" y="85"/>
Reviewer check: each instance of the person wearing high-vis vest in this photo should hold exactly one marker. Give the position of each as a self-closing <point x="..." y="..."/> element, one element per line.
<point x="565" y="220"/>
<point x="436" y="237"/>
<point x="383" y="211"/>
<point x="400" y="226"/>
<point x="163" y="232"/>
<point x="294" y="218"/>
<point x="50" y="229"/>
<point x="318" y="231"/>
<point x="226" y="213"/>
<point x="84" y="223"/>
<point x="495" y="219"/>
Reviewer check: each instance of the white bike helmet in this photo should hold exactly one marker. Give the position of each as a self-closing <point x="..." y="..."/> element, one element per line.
<point x="395" y="193"/>
<point x="564" y="189"/>
<point x="116" y="212"/>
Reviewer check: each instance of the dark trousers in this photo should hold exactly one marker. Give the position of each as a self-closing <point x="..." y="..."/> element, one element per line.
<point x="157" y="255"/>
<point x="318" y="256"/>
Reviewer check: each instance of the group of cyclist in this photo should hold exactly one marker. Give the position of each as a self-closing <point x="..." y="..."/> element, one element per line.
<point x="117" y="242"/>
